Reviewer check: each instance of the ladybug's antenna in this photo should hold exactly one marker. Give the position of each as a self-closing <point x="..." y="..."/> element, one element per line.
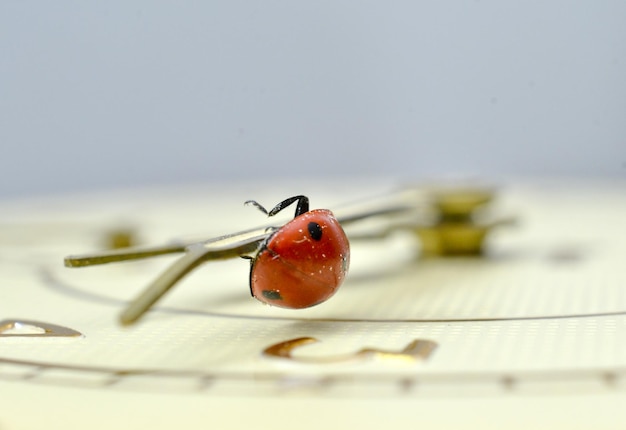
<point x="302" y="207"/>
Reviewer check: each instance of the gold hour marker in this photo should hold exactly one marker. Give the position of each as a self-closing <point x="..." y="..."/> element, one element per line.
<point x="457" y="229"/>
<point x="28" y="328"/>
<point x="417" y="350"/>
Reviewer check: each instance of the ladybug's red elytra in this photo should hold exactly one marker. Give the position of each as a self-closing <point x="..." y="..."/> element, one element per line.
<point x="304" y="262"/>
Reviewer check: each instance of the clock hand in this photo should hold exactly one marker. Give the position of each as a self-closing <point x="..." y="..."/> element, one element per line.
<point x="195" y="255"/>
<point x="141" y="252"/>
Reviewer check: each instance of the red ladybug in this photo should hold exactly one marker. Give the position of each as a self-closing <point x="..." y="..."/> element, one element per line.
<point x="302" y="263"/>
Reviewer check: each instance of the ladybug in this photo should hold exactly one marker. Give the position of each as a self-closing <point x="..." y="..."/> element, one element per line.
<point x="302" y="263"/>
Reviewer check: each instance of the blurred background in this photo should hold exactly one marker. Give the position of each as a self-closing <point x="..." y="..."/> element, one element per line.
<point x="106" y="95"/>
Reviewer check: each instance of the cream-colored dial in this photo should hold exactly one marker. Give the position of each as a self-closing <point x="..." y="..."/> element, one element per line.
<point x="542" y="314"/>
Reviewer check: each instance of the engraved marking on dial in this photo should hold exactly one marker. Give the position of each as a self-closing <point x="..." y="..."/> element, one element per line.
<point x="75" y="291"/>
<point x="508" y="382"/>
<point x="406" y="383"/>
<point x="417" y="350"/>
<point x="29" y="328"/>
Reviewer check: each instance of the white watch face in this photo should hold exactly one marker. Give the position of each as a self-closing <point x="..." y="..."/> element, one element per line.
<point x="542" y="312"/>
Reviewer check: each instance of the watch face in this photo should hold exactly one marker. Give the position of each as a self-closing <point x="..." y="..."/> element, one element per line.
<point x="540" y="312"/>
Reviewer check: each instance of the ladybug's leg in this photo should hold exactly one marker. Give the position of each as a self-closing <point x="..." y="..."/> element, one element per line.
<point x="302" y="207"/>
<point x="256" y="205"/>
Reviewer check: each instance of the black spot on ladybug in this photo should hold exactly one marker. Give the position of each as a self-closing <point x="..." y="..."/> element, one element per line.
<point x="315" y="230"/>
<point x="272" y="294"/>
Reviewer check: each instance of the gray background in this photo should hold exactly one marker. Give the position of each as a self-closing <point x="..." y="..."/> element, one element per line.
<point x="112" y="94"/>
